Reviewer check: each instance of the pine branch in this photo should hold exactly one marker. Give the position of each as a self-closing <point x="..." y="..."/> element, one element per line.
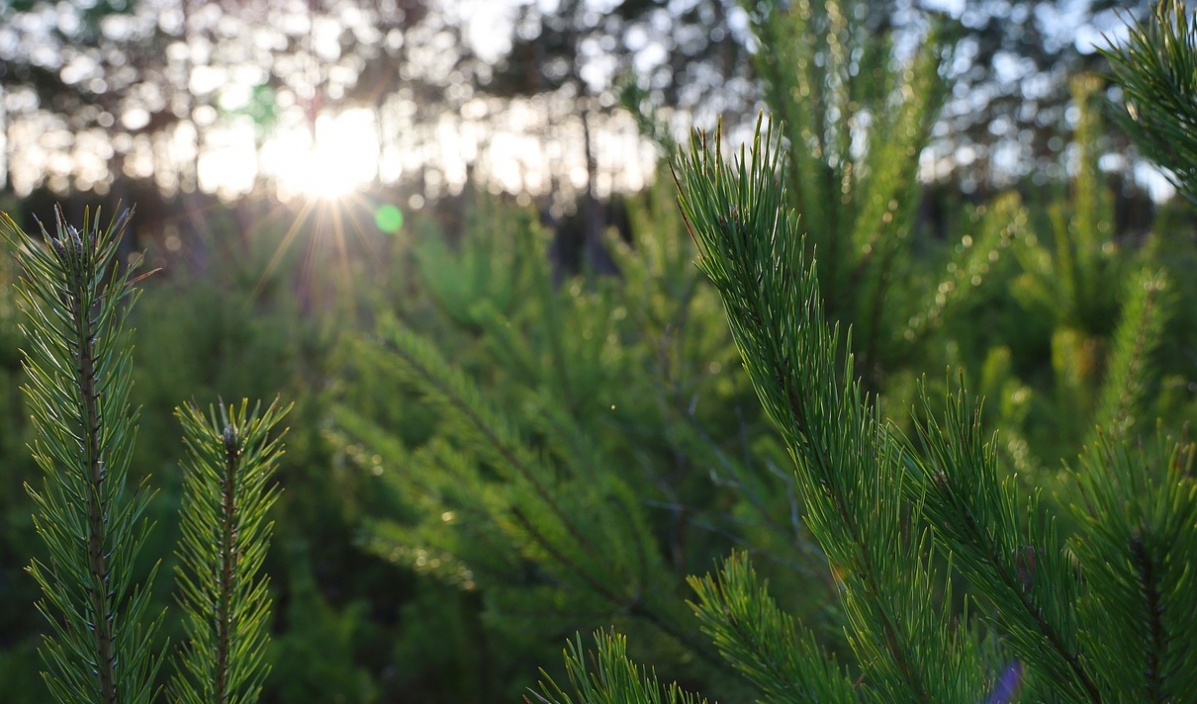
<point x="763" y="642"/>
<point x="614" y="680"/>
<point x="452" y="390"/>
<point x="1137" y="546"/>
<point x="1139" y="333"/>
<point x="850" y="469"/>
<point x="1017" y="564"/>
<point x="1157" y="71"/>
<point x="794" y="83"/>
<point x="78" y="363"/>
<point x="582" y="527"/>
<point x="855" y="123"/>
<point x="224" y="539"/>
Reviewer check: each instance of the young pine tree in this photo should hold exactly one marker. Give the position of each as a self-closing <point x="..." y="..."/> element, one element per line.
<point x="1102" y="615"/>
<point x="567" y="453"/>
<point x="90" y="512"/>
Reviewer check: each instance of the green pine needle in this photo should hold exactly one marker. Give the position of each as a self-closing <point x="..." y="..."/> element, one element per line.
<point x="1157" y="70"/>
<point x="226" y="497"/>
<point x="763" y="642"/>
<point x="78" y="360"/>
<point x="614" y="679"/>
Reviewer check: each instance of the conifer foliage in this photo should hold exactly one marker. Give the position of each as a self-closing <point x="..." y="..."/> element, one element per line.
<point x="1100" y="614"/>
<point x="850" y="468"/>
<point x="78" y="363"/>
<point x="226" y="496"/>
<point x="534" y="485"/>
<point x="577" y="437"/>
<point x="1097" y="616"/>
<point x="1157" y="71"/>
<point x="103" y="646"/>
<point x="855" y="120"/>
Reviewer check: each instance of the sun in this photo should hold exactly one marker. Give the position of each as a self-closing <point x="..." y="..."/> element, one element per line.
<point x="341" y="159"/>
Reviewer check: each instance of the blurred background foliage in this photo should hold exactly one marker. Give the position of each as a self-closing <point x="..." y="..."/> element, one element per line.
<point x="519" y="413"/>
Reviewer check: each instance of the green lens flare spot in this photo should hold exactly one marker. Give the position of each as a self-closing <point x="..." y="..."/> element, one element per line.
<point x="388" y="218"/>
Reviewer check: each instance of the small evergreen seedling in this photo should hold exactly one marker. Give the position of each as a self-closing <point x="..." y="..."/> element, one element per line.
<point x="223" y="544"/>
<point x="78" y="363"/>
<point x="78" y="360"/>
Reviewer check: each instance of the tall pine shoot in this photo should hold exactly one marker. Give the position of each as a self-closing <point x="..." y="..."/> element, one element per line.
<point x="226" y="496"/>
<point x="1099" y="612"/>
<point x="90" y="518"/>
<point x="103" y="645"/>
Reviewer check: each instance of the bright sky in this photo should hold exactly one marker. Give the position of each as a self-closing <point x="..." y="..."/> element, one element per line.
<point x="343" y="156"/>
<point x="517" y="153"/>
<point x="516" y="146"/>
<point x="348" y="150"/>
<point x="1065" y="17"/>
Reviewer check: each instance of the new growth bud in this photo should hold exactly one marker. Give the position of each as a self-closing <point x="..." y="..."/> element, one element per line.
<point x="232" y="443"/>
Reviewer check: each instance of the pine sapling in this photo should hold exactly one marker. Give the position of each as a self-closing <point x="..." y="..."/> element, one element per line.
<point x="226" y="497"/>
<point x="78" y="360"/>
<point x="102" y="646"/>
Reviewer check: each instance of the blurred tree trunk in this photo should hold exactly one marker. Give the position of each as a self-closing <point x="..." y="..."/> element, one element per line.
<point x="596" y="259"/>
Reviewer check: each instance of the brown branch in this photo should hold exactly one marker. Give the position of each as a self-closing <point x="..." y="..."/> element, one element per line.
<point x="77" y="258"/>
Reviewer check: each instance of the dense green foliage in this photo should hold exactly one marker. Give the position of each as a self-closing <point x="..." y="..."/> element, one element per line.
<point x="569" y="457"/>
<point x="90" y="519"/>
<point x="93" y="518"/>
<point x="225" y="533"/>
<point x="1096" y="610"/>
<point x="488" y="455"/>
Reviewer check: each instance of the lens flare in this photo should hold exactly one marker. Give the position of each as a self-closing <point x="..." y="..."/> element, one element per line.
<point x="389" y="218"/>
<point x="1007" y="686"/>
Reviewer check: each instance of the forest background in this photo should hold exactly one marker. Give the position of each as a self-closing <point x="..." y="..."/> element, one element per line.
<point x="509" y="245"/>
